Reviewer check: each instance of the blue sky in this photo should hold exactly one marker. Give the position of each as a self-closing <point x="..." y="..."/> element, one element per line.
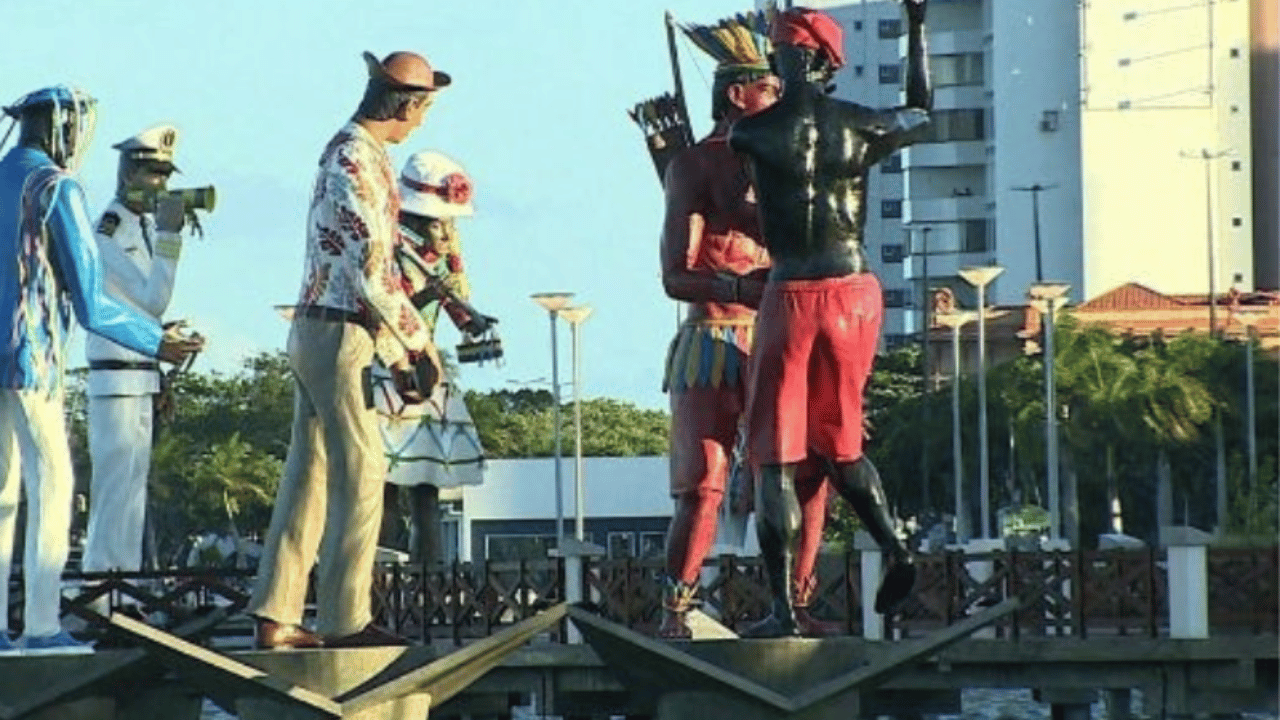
<point x="566" y="195"/>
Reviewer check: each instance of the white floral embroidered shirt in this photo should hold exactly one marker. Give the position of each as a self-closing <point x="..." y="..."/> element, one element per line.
<point x="352" y="233"/>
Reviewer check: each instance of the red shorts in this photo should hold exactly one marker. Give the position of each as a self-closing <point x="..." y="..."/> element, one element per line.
<point x="815" y="341"/>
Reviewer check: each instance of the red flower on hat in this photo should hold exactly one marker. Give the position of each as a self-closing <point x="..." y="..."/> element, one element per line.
<point x="456" y="189"/>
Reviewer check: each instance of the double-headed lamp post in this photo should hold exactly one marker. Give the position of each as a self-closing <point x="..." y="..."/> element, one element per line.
<point x="980" y="277"/>
<point x="1045" y="298"/>
<point x="1248" y="317"/>
<point x="955" y="320"/>
<point x="555" y="303"/>
<point x="575" y="317"/>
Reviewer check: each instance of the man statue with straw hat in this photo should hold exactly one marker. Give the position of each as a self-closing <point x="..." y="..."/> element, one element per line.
<point x="351" y="305"/>
<point x="712" y="259"/>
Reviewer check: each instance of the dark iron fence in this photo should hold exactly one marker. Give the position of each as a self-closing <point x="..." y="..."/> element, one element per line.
<point x="1077" y="594"/>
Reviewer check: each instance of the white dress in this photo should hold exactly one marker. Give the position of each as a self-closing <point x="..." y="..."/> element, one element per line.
<point x="435" y="442"/>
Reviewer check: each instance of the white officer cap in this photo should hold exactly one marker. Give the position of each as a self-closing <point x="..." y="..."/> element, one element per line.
<point x="155" y="143"/>
<point x="435" y="186"/>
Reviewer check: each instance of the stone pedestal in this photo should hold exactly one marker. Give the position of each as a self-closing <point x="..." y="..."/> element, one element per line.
<point x="108" y="685"/>
<point x="719" y="706"/>
<point x="1188" y="581"/>
<point x="415" y="706"/>
<point x="1065" y="704"/>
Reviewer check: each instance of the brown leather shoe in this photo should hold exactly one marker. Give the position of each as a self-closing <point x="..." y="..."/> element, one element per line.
<point x="370" y="636"/>
<point x="271" y="635"/>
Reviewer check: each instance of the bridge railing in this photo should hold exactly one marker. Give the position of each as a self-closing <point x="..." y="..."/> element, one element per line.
<point x="1079" y="594"/>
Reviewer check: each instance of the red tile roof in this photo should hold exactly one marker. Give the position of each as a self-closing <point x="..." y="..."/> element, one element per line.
<point x="1136" y="296"/>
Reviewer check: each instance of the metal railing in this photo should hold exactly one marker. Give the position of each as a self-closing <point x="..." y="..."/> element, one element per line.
<point x="1073" y="594"/>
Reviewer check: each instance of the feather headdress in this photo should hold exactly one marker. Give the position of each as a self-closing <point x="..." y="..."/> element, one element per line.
<point x="737" y="43"/>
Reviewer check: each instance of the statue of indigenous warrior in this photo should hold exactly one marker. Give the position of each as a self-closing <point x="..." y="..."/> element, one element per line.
<point x="433" y="444"/>
<point x="712" y="259"/>
<point x="820" y="315"/>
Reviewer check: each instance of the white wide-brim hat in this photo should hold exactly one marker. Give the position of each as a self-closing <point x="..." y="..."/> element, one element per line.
<point x="433" y="185"/>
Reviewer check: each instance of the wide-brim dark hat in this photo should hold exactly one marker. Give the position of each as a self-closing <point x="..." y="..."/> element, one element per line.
<point x="377" y="70"/>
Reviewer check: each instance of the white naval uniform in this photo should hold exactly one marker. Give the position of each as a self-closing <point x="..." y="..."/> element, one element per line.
<point x="120" y="401"/>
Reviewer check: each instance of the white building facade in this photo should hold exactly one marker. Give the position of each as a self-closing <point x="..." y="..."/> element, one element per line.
<point x="627" y="508"/>
<point x="1106" y="107"/>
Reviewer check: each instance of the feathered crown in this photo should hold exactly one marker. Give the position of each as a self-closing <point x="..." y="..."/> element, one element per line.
<point x="737" y="43"/>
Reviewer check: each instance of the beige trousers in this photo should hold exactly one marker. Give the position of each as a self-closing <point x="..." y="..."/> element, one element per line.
<point x="330" y="498"/>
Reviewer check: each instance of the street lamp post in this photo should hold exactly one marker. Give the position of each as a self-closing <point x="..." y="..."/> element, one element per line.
<point x="955" y="320"/>
<point x="925" y="385"/>
<point x="1208" y="157"/>
<point x="1248" y="317"/>
<point x="1035" y="189"/>
<point x="554" y="303"/>
<point x="980" y="277"/>
<point x="1043" y="297"/>
<point x="576" y="316"/>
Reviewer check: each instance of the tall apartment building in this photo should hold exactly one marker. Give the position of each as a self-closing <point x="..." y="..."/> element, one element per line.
<point x="1110" y="108"/>
<point x="1264" y="61"/>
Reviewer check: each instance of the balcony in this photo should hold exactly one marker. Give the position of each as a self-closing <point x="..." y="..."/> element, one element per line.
<point x="925" y="210"/>
<point x="959" y="97"/>
<point x="941" y="264"/>
<point x="949" y="154"/>
<point x="951" y="42"/>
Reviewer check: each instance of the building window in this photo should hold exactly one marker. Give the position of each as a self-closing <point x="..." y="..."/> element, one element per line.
<point x="891" y="253"/>
<point x="890" y="208"/>
<point x="975" y="236"/>
<point x="893" y="341"/>
<point x="1236" y="222"/>
<point x="959" y="69"/>
<point x="891" y="164"/>
<point x="890" y="74"/>
<point x="622" y="545"/>
<point x="889" y="29"/>
<point x="518" y="547"/>
<point x="1235" y="52"/>
<point x="653" y="544"/>
<point x="1235" y="164"/>
<point x="955" y="126"/>
<point x="857" y="24"/>
<point x="857" y="71"/>
<point x="896" y="298"/>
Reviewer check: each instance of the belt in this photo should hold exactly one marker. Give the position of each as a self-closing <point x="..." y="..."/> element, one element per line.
<point x="319" y="312"/>
<point x="122" y="365"/>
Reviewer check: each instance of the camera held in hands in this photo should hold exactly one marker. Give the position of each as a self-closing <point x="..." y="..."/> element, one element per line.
<point x="200" y="198"/>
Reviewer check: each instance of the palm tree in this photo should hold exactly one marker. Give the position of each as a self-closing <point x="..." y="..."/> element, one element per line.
<point x="1097" y="382"/>
<point x="1143" y="395"/>
<point x="1173" y="403"/>
<point x="1210" y="360"/>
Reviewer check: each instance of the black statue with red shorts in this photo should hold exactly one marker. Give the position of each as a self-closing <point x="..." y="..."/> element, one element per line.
<point x="820" y="316"/>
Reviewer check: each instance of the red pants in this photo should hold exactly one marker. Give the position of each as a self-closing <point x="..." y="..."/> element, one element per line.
<point x="815" y="341"/>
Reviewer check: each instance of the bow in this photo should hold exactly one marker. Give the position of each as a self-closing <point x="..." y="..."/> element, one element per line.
<point x="665" y="119"/>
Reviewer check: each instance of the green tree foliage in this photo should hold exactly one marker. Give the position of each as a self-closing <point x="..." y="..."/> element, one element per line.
<point x="520" y="423"/>
<point x="1123" y="402"/>
<point x="216" y="466"/>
